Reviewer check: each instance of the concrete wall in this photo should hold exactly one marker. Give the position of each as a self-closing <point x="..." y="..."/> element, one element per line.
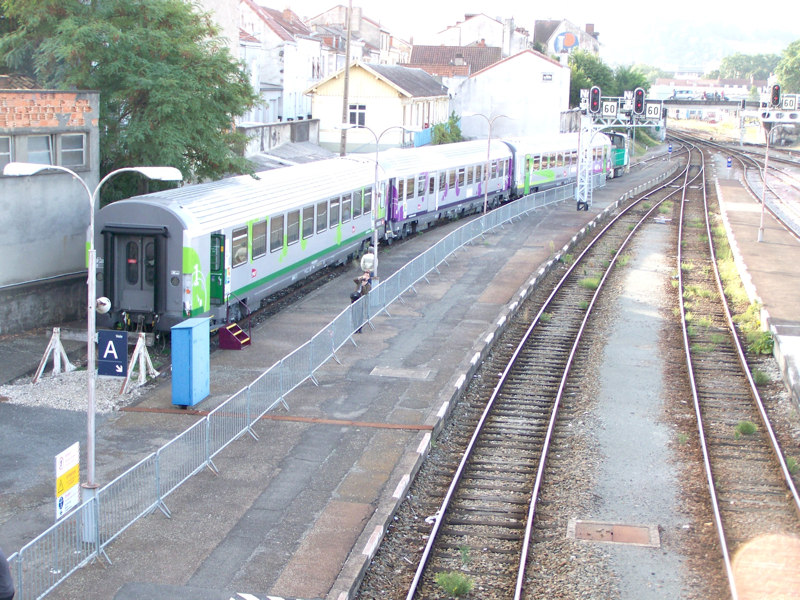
<point x="44" y="217"/>
<point x="263" y="138"/>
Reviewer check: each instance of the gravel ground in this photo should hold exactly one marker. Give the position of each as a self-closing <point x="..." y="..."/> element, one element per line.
<point x="68" y="391"/>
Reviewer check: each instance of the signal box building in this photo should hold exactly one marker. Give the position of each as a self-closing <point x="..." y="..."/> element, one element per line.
<point x="45" y="216"/>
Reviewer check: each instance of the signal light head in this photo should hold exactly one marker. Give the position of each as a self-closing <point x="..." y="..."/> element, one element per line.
<point x="775" y="95"/>
<point x="594" y="99"/>
<point x="638" y="101"/>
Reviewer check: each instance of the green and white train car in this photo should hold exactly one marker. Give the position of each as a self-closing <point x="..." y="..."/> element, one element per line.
<point x="217" y="249"/>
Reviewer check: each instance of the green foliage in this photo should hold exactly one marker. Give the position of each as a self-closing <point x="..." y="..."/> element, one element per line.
<point x="792" y="465"/>
<point x="588" y="70"/>
<point x="590" y="283"/>
<point x="454" y="583"/>
<point x="746" y="66"/>
<point x="788" y="69"/>
<point x="745" y="428"/>
<point x="448" y="133"/>
<point x="760" y="378"/>
<point x="464" y="552"/>
<point x="169" y="87"/>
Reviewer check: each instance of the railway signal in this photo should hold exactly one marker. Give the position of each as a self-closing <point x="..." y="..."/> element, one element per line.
<point x="775" y="95"/>
<point x="638" y="101"/>
<point x="594" y="100"/>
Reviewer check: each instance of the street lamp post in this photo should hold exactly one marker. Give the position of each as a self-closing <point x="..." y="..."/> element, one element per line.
<point x="375" y="200"/>
<point x="22" y="169"/>
<point x="488" y="153"/>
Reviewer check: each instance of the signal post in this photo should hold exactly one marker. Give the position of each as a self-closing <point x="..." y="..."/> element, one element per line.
<point x="598" y="113"/>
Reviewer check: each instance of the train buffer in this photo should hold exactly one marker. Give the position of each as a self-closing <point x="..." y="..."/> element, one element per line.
<point x="233" y="337"/>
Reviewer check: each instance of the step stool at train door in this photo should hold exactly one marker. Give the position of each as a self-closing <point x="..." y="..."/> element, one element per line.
<point x="233" y="337"/>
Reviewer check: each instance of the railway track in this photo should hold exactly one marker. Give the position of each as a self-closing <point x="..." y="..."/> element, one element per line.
<point x="751" y="490"/>
<point x="486" y="515"/>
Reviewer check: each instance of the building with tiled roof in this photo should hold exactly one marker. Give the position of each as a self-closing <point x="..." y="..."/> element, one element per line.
<point x="381" y="98"/>
<point x="453" y="64"/>
<point x="283" y="58"/>
<point x="480" y="29"/>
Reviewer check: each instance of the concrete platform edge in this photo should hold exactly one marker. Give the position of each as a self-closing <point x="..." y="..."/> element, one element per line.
<point x="365" y="548"/>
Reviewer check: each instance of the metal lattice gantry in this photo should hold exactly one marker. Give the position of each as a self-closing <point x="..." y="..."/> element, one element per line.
<point x="600" y="113"/>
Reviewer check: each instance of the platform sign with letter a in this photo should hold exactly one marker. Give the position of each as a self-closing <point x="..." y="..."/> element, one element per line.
<point x="112" y="353"/>
<point x="67" y="479"/>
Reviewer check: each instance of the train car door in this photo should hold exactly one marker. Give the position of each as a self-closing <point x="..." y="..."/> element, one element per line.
<point x="136" y="266"/>
<point x="217" y="268"/>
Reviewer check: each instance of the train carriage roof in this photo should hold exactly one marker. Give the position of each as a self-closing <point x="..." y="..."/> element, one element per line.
<point x="561" y="142"/>
<point x="211" y="206"/>
<point x="427" y="159"/>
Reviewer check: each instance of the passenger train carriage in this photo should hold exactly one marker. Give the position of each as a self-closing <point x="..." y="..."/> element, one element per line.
<point x="218" y="249"/>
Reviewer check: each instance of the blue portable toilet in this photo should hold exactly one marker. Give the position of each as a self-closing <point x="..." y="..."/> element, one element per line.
<point x="190" y="361"/>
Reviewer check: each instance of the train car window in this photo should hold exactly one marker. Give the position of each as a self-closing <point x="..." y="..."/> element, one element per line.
<point x="479" y="173"/>
<point x="322" y="216"/>
<point x="461" y="177"/>
<point x="442" y="180"/>
<point x="293" y="227"/>
<point x="308" y="222"/>
<point x="431" y="184"/>
<point x="536" y="161"/>
<point x="150" y="263"/>
<point x="401" y="188"/>
<point x="334" y="221"/>
<point x="259" y="238"/>
<point x="357" y="203"/>
<point x="409" y="188"/>
<point x="422" y="183"/>
<point x="367" y="200"/>
<point x="239" y="246"/>
<point x="276" y="233"/>
<point x="451" y="179"/>
<point x="132" y="263"/>
<point x="494" y="170"/>
<point x="470" y="175"/>
<point x="216" y="252"/>
<point x="346" y="208"/>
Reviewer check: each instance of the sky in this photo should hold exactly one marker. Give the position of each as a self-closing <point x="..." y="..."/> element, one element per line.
<point x="666" y="34"/>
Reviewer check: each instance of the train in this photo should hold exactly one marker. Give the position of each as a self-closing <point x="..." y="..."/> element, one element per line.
<point x="218" y="249"/>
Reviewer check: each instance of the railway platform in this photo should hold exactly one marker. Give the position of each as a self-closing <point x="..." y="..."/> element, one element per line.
<point x="299" y="512"/>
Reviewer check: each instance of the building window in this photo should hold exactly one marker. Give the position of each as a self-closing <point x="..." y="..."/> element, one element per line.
<point x="73" y="150"/>
<point x="5" y="150"/>
<point x="358" y="114"/>
<point x="239" y="246"/>
<point x="259" y="238"/>
<point x="40" y="149"/>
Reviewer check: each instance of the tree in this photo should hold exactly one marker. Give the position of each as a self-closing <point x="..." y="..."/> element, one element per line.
<point x="747" y="66"/>
<point x="447" y="133"/>
<point x="588" y="70"/>
<point x="169" y="87"/>
<point x="788" y="69"/>
<point x="628" y="79"/>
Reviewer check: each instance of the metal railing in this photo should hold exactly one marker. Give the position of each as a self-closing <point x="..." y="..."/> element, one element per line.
<point x="83" y="535"/>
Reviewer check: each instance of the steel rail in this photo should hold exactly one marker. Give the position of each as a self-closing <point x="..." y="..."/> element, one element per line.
<point x="439" y="516"/>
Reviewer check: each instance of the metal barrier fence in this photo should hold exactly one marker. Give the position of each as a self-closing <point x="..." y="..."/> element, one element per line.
<point x="81" y="536"/>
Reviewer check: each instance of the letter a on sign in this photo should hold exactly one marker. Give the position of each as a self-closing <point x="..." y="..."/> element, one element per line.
<point x="111" y="351"/>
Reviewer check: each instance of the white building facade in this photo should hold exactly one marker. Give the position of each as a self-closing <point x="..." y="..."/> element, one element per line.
<point x="528" y="89"/>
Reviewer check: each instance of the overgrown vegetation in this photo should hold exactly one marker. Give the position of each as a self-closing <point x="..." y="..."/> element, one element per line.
<point x="745" y="428"/>
<point x="454" y="583"/>
<point x="447" y="133"/>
